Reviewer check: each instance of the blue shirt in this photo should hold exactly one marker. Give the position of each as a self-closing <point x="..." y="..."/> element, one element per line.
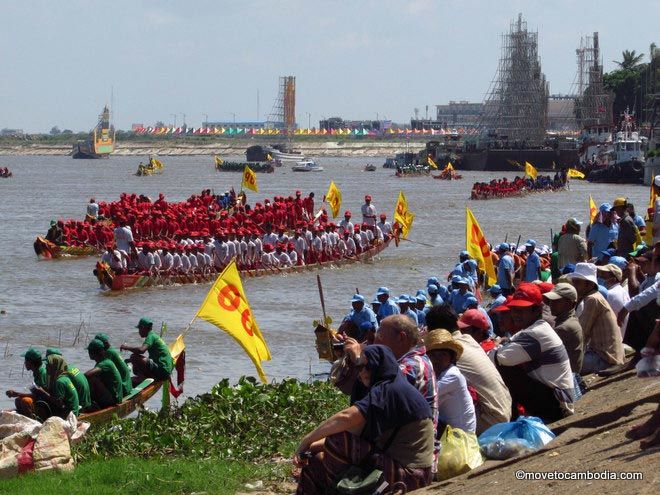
<point x="458" y="300"/>
<point x="412" y="315"/>
<point x="498" y="301"/>
<point x="505" y="264"/>
<point x="532" y="267"/>
<point x="491" y="329"/>
<point x="421" y="317"/>
<point x="639" y="221"/>
<point x="443" y="292"/>
<point x="359" y="317"/>
<point x="387" y="308"/>
<point x="601" y="236"/>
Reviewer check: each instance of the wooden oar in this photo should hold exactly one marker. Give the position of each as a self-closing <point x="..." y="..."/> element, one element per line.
<point x="417" y="242"/>
<point x="318" y="281"/>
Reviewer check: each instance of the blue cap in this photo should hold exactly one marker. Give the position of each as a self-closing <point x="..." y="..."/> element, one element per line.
<point x="605" y="208"/>
<point x="433" y="281"/>
<point x="375" y="301"/>
<point x="357" y="298"/>
<point x="619" y="261"/>
<point x="503" y="247"/>
<point x="403" y="298"/>
<point x="569" y="268"/>
<point x="367" y="325"/>
<point x="608" y="252"/>
<point x="413" y="299"/>
<point x="464" y="254"/>
<point x="464" y="280"/>
<point x="456" y="279"/>
<point x="382" y="290"/>
<point x="432" y="289"/>
<point x="469" y="301"/>
<point x="421" y="292"/>
<point x="495" y="289"/>
<point x="530" y="243"/>
<point x="471" y="263"/>
<point x="421" y="297"/>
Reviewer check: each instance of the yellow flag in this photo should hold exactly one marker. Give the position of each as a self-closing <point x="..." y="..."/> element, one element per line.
<point x="432" y="163"/>
<point x="333" y="198"/>
<point x="218" y="161"/>
<point x="249" y="179"/>
<point x="227" y="308"/>
<point x="530" y="170"/>
<point x="269" y="157"/>
<point x="575" y="174"/>
<point x="449" y="167"/>
<point x="593" y="210"/>
<point x="477" y="246"/>
<point x="402" y="215"/>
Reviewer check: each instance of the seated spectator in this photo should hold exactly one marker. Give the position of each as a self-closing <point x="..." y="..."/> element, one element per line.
<point x="617" y="295"/>
<point x="392" y="417"/>
<point x="476" y="324"/>
<point x="534" y="364"/>
<point x="60" y="397"/>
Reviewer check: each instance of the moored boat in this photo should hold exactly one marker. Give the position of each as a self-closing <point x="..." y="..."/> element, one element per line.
<point x="307" y="166"/>
<point x="108" y="280"/>
<point x="47" y="249"/>
<point x="101" y="140"/>
<point x="370" y="167"/>
<point x="141" y="394"/>
<point x="267" y="167"/>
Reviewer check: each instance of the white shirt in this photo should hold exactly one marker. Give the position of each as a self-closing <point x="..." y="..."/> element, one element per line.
<point x="93" y="210"/>
<point x="656" y="222"/>
<point x="455" y="406"/>
<point x="294" y="257"/>
<point x="156" y="258"/>
<point x="185" y="263"/>
<point x="618" y="297"/>
<point x="143" y="260"/>
<point x="350" y="246"/>
<point x="176" y="261"/>
<point x="284" y="259"/>
<point x="192" y="259"/>
<point x="167" y="261"/>
<point x="270" y="238"/>
<point x="385" y="227"/>
<point x="317" y="244"/>
<point x="369" y="214"/>
<point x="123" y="238"/>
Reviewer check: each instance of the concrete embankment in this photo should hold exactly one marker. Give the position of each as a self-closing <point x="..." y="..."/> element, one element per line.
<point x="349" y="148"/>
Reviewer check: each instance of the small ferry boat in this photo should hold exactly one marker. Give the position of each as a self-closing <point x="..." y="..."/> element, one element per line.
<point x="307" y="166"/>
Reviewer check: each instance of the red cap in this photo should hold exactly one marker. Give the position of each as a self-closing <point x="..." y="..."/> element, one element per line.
<point x="526" y="295"/>
<point x="367" y="197"/>
<point x="503" y="307"/>
<point x="298" y="193"/>
<point x="347" y="213"/>
<point x="545" y="287"/>
<point x="473" y="318"/>
<point x="383" y="216"/>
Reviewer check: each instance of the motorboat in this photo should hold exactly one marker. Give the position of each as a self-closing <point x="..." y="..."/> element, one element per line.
<point x="307" y="166"/>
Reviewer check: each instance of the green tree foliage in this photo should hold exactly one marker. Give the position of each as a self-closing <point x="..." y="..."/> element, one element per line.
<point x="629" y="59"/>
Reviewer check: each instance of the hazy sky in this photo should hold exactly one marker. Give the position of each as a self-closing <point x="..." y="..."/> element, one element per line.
<point x="353" y="58"/>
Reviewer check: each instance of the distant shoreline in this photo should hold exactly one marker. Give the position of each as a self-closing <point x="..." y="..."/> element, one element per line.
<point x="349" y="148"/>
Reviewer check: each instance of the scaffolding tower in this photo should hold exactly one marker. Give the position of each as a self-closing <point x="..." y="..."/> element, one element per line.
<point x="516" y="105"/>
<point x="593" y="104"/>
<point x="283" y="114"/>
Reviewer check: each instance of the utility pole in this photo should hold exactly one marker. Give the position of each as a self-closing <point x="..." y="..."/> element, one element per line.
<point x="174" y="115"/>
<point x="234" y="115"/>
<point x="206" y="123"/>
<point x="184" y="119"/>
<point x="309" y="120"/>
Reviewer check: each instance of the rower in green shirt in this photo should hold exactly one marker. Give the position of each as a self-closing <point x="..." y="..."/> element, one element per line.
<point x="78" y="379"/>
<point x="114" y="356"/>
<point x="104" y="379"/>
<point x="159" y="363"/>
<point x="25" y="401"/>
<point x="60" y="398"/>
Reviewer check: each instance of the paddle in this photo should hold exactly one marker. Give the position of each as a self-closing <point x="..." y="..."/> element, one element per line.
<point x="318" y="282"/>
<point x="417" y="242"/>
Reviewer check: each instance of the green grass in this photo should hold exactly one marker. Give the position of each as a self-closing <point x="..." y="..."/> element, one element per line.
<point x="146" y="476"/>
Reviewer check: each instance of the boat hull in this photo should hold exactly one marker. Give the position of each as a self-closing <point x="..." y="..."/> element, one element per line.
<point x="628" y="172"/>
<point x="124" y="408"/>
<point x="136" y="281"/>
<point x="49" y="250"/>
<point x="514" y="160"/>
<point x="266" y="167"/>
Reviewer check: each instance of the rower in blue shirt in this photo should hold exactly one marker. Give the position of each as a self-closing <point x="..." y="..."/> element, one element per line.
<point x="405" y="302"/>
<point x="603" y="232"/>
<point x="459" y="296"/>
<point x="387" y="306"/>
<point x="533" y="262"/>
<point x="505" y="270"/>
<point x="470" y="272"/>
<point x="434" y="296"/>
<point x="359" y="314"/>
<point x="421" y="308"/>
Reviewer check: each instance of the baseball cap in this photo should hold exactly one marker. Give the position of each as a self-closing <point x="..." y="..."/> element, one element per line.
<point x="53" y="351"/>
<point x="562" y="290"/>
<point x="495" y="289"/>
<point x="432" y="289"/>
<point x="382" y="290"/>
<point x="103" y="337"/>
<point x="144" y="322"/>
<point x="366" y="326"/>
<point x="608" y="252"/>
<point x="526" y="295"/>
<point x="503" y="247"/>
<point x="470" y="301"/>
<point x="568" y="268"/>
<point x="619" y="261"/>
<point x="473" y="318"/>
<point x="357" y="298"/>
<point x="621" y="201"/>
<point x="32" y="355"/>
<point x="96" y="346"/>
<point x="531" y="243"/>
<point x="613" y="269"/>
<point x="456" y="279"/>
<point x="605" y="207"/>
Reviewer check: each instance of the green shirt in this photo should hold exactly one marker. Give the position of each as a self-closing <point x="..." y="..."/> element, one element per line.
<point x="111" y="378"/>
<point x="79" y="381"/>
<point x="39" y="376"/>
<point x="66" y="392"/>
<point x="158" y="352"/>
<point x="113" y="355"/>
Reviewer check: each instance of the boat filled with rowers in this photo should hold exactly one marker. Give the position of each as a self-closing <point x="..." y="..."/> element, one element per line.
<point x="5" y="173"/>
<point x="519" y="186"/>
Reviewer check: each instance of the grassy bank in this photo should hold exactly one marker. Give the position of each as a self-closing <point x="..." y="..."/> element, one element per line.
<point x="212" y="443"/>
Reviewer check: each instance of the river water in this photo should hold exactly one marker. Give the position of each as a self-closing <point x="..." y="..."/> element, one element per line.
<point x="50" y="302"/>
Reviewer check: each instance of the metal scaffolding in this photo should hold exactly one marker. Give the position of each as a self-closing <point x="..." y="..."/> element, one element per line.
<point x="593" y="104"/>
<point x="516" y="106"/>
<point x="283" y="114"/>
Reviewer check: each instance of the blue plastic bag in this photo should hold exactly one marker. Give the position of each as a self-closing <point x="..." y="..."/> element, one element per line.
<point x="506" y="440"/>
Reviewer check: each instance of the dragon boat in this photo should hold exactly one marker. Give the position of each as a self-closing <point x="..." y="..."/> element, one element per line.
<point x="47" y="249"/>
<point x="267" y="167"/>
<point x="109" y="280"/>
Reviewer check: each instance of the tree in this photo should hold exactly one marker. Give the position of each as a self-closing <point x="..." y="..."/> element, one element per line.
<point x="629" y="59"/>
<point x="55" y="131"/>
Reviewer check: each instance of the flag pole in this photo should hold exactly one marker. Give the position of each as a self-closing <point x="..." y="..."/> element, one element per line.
<point x="189" y="326"/>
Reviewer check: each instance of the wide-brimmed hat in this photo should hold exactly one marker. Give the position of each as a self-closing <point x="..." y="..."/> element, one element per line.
<point x="382" y="291"/>
<point x="584" y="271"/>
<point x="357" y="298"/>
<point x="442" y="339"/>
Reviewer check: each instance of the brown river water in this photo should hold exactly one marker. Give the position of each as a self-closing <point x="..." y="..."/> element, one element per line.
<point x="48" y="301"/>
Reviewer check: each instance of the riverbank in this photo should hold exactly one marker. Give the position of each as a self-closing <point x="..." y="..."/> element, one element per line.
<point x="223" y="147"/>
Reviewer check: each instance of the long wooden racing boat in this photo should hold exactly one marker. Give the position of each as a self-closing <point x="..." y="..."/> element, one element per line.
<point x="141" y="394"/>
<point x="47" y="249"/>
<point x="108" y="280"/>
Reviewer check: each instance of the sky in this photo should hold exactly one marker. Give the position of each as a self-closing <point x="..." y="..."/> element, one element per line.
<point x="357" y="59"/>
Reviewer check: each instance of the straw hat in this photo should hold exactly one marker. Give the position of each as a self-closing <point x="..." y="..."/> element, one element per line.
<point x="442" y="339"/>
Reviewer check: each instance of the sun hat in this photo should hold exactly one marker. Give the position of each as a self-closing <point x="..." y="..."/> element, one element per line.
<point x="656" y="180"/>
<point x="420" y="297"/>
<point x="531" y="243"/>
<point x="473" y="318"/>
<point x="620" y="201"/>
<point x="526" y="295"/>
<point x="613" y="269"/>
<point x="432" y="289"/>
<point x="619" y="261"/>
<point x="456" y="279"/>
<point x="584" y="271"/>
<point x="403" y="298"/>
<point x="357" y="298"/>
<point x="32" y="355"/>
<point x="495" y="289"/>
<point x="469" y="302"/>
<point x="413" y="299"/>
<point x="144" y="322"/>
<point x="421" y="292"/>
<point x="573" y="221"/>
<point x="503" y="247"/>
<point x="471" y="263"/>
<point x="441" y="339"/>
<point x="433" y="280"/>
<point x="382" y="291"/>
<point x="464" y="281"/>
<point x="96" y="346"/>
<point x="562" y="290"/>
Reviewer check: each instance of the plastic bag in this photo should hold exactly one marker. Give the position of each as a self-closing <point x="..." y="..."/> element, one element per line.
<point x="459" y="453"/>
<point x="648" y="366"/>
<point x="505" y="440"/>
